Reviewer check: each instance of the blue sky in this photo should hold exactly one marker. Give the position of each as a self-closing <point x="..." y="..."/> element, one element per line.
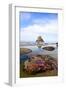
<point x="34" y="24"/>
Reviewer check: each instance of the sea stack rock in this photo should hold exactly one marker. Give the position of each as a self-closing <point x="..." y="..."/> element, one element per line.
<point x="39" y="42"/>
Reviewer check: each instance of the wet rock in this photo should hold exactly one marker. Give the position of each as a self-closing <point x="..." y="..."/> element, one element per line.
<point x="49" y="48"/>
<point x="25" y="51"/>
<point x="38" y="63"/>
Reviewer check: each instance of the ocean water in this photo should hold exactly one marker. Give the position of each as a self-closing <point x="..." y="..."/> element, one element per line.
<point x="40" y="51"/>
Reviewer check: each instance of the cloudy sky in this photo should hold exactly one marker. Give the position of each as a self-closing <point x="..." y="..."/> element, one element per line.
<point x="34" y="24"/>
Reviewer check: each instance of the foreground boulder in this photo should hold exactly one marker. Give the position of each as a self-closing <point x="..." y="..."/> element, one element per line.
<point x="40" y="64"/>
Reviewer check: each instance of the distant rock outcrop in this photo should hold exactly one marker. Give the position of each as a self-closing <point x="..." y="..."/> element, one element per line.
<point x="39" y="41"/>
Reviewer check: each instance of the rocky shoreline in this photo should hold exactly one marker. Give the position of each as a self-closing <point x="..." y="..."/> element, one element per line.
<point x="36" y="65"/>
<point x="39" y="64"/>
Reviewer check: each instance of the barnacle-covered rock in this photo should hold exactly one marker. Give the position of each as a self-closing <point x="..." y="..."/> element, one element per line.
<point x="38" y="63"/>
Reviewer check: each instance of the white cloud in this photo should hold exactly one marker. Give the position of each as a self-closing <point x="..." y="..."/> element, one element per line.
<point x="31" y="32"/>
